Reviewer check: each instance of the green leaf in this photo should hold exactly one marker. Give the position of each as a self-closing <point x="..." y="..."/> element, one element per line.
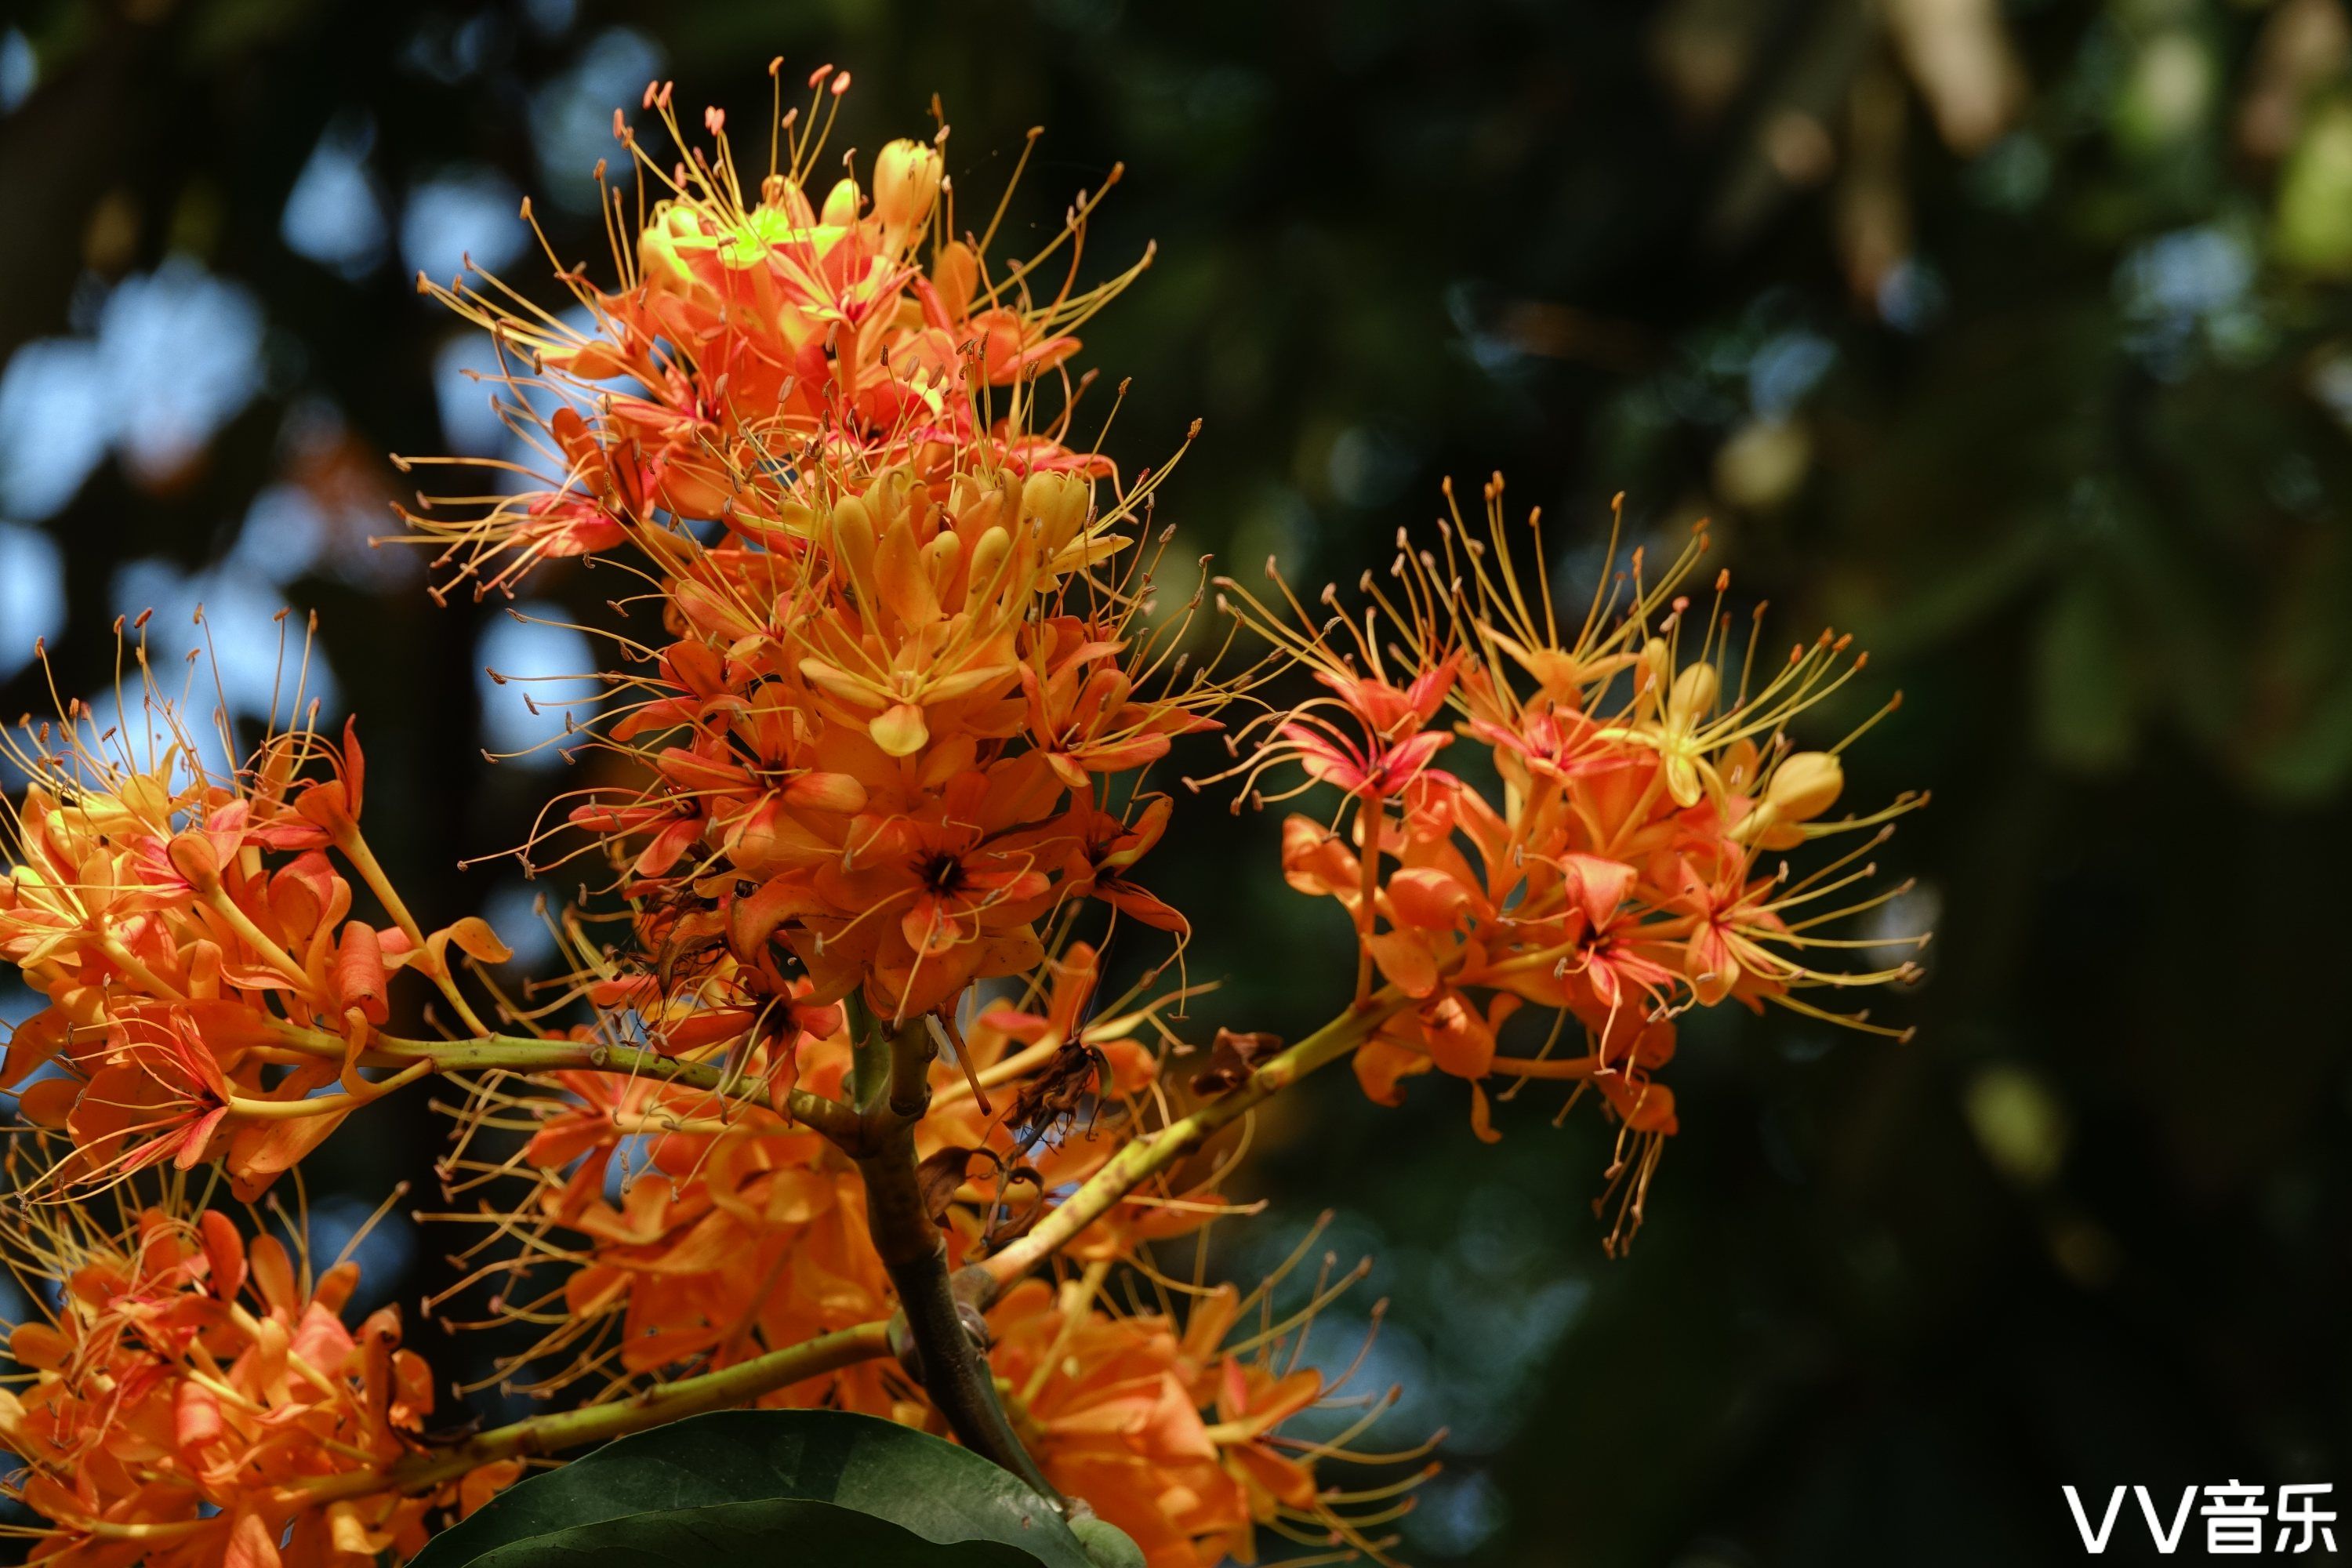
<point x="779" y="1530"/>
<point x="819" y="1486"/>
<point x="1109" y="1546"/>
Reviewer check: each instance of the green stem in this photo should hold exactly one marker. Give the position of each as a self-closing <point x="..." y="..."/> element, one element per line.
<point x="519" y="1054"/>
<point x="1147" y="1157"/>
<point x="735" y="1386"/>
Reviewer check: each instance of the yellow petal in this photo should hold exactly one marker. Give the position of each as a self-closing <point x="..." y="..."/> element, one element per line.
<point x="1682" y="779"/>
<point x="901" y="730"/>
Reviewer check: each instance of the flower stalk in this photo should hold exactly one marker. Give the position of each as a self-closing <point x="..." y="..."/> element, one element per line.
<point x="945" y="1353"/>
<point x="537" y="1435"/>
<point x="1145" y="1158"/>
<point x="517" y="1053"/>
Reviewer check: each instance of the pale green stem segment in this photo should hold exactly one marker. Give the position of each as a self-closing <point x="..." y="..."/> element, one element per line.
<point x="724" y="1390"/>
<point x="1149" y="1157"/>
<point x="516" y="1053"/>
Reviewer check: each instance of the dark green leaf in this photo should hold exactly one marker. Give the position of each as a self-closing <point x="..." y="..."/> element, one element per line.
<point x="809" y="1477"/>
<point x="778" y="1530"/>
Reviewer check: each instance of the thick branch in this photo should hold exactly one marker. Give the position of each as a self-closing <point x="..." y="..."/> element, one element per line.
<point x="949" y="1358"/>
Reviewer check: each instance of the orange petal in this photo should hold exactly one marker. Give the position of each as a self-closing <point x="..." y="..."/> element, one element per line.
<point x="49" y="1103"/>
<point x="251" y="1545"/>
<point x="1482" y="1116"/>
<point x="1404" y="962"/>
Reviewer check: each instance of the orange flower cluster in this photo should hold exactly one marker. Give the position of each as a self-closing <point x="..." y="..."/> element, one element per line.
<point x="881" y="762"/>
<point x="1621" y="875"/>
<point x="871" y="768"/>
<point x="714" y="1231"/>
<point x="196" y="938"/>
<point x="753" y="336"/>
<point x="901" y="676"/>
<point x="196" y="1400"/>
<point x="1173" y="1435"/>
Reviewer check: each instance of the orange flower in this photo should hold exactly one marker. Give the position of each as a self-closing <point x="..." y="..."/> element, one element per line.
<point x="191" y="1393"/>
<point x="911" y="666"/>
<point x="1108" y="846"/>
<point x="1168" y="1433"/>
<point x="195" y="939"/>
<point x="707" y="1232"/>
<point x="1616" y="880"/>
<point x="161" y="1096"/>
<point x="750" y="332"/>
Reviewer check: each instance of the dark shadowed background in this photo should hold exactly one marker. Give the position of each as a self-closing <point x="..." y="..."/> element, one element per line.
<point x="2012" y="336"/>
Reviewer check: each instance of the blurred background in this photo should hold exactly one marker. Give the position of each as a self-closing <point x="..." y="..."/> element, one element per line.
<point x="2012" y="334"/>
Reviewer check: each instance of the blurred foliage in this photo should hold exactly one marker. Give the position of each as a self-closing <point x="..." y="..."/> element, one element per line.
<point x="2014" y="337"/>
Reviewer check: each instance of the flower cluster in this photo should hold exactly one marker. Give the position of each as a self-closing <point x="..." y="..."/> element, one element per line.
<point x="195" y="935"/>
<point x="753" y="336"/>
<point x="1171" y="1425"/>
<point x="827" y="1071"/>
<point x="882" y="762"/>
<point x="685" y="1229"/>
<point x="199" y="1398"/>
<point x="903" y="679"/>
<point x="1626" y="870"/>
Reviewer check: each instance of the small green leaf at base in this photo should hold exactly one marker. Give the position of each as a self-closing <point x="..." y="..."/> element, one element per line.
<point x="783" y="1486"/>
<point x="1107" y="1543"/>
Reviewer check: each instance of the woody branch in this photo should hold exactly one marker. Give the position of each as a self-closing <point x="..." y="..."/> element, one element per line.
<point x="891" y="1080"/>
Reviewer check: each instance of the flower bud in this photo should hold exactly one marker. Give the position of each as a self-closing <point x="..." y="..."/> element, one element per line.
<point x="781" y="194"/>
<point x="192" y="856"/>
<point x="955" y="273"/>
<point x="906" y="183"/>
<point x="1057" y="504"/>
<point x="658" y="252"/>
<point x="1805" y="785"/>
<point x="853" y="535"/>
<point x="987" y="557"/>
<point x="942" y="556"/>
<point x="1653" y="674"/>
<point x="841" y="204"/>
<point x="1693" y="698"/>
